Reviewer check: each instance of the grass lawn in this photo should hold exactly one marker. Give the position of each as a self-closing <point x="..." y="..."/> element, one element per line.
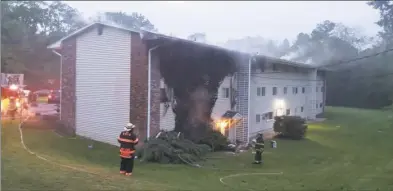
<point x="352" y="150"/>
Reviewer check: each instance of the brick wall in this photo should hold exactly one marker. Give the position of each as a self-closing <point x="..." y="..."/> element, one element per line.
<point x="139" y="88"/>
<point x="68" y="78"/>
<point x="155" y="95"/>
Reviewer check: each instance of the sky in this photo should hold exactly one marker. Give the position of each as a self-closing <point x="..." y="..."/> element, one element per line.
<point x="224" y="20"/>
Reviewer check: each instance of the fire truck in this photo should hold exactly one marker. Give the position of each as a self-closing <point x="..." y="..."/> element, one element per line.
<point x="13" y="99"/>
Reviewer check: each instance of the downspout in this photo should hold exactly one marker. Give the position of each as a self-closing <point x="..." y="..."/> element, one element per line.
<point x="61" y="72"/>
<point x="148" y="90"/>
<point x="249" y="98"/>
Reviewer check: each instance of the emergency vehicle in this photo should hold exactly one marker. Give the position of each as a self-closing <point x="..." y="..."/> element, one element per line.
<point x="12" y="100"/>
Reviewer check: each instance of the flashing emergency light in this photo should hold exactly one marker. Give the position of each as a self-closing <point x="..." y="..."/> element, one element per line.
<point x="13" y="87"/>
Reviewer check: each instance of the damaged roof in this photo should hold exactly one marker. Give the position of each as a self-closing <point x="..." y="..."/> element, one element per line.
<point x="148" y="35"/>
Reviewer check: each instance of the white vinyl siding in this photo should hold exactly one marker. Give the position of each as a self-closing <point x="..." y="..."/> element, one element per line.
<point x="167" y="120"/>
<point x="103" y="84"/>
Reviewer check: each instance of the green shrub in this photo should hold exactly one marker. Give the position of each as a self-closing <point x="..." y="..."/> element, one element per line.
<point x="293" y="127"/>
<point x="216" y="140"/>
<point x="171" y="148"/>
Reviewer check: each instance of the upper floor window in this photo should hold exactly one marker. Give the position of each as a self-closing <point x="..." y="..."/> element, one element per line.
<point x="288" y="112"/>
<point x="274" y="90"/>
<point x="301" y="109"/>
<point x="303" y="90"/>
<point x="285" y="90"/>
<point x="294" y="90"/>
<point x="323" y="89"/>
<point x="225" y="92"/>
<point x="258" y="118"/>
<point x="261" y="91"/>
<point x="320" y="105"/>
<point x="274" y="67"/>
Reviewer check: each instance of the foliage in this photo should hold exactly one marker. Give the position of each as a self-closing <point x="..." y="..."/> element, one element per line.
<point x="29" y="26"/>
<point x="169" y="147"/>
<point x="385" y="9"/>
<point x="134" y="20"/>
<point x="214" y="139"/>
<point x="293" y="127"/>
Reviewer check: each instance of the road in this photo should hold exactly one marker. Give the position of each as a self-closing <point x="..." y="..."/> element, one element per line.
<point x="44" y="109"/>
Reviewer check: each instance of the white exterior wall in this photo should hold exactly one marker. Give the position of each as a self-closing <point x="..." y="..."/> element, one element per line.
<point x="167" y="120"/>
<point x="223" y="104"/>
<point x="320" y="94"/>
<point x="103" y="84"/>
<point x="279" y="103"/>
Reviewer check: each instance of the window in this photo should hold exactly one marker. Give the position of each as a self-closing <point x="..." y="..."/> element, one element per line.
<point x="316" y="105"/>
<point x="225" y="92"/>
<point x="258" y="118"/>
<point x="316" y="89"/>
<point x="301" y="109"/>
<point x="285" y="90"/>
<point x="261" y="91"/>
<point x="288" y="112"/>
<point x="320" y="105"/>
<point x="274" y="90"/>
<point x="303" y="90"/>
<point x="294" y="90"/>
<point x="270" y="115"/>
<point x="323" y="89"/>
<point x="163" y="96"/>
<point x="275" y="67"/>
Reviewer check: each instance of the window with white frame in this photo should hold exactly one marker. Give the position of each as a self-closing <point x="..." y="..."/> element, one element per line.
<point x="225" y="92"/>
<point x="268" y="116"/>
<point x="285" y="90"/>
<point x="301" y="109"/>
<point x="303" y="90"/>
<point x="294" y="90"/>
<point x="320" y="105"/>
<point x="274" y="90"/>
<point x="274" y="67"/>
<point x="261" y="91"/>
<point x="258" y="118"/>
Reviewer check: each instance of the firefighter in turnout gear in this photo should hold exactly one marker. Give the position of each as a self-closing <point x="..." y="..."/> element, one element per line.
<point x="127" y="140"/>
<point x="259" y="148"/>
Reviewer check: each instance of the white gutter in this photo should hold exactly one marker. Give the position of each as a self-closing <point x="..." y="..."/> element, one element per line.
<point x="148" y="91"/>
<point x="249" y="98"/>
<point x="61" y="72"/>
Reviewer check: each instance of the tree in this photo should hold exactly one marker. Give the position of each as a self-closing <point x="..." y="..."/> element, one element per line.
<point x="135" y="20"/>
<point x="27" y="28"/>
<point x="386" y="19"/>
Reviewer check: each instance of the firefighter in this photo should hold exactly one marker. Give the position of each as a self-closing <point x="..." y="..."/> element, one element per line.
<point x="12" y="107"/>
<point x="127" y="140"/>
<point x="259" y="148"/>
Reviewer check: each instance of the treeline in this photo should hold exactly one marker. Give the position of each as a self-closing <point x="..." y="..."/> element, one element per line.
<point x="368" y="82"/>
<point x="28" y="27"/>
<point x="363" y="83"/>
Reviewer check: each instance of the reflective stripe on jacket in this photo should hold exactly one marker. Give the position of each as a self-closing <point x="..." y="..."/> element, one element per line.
<point x="127" y="142"/>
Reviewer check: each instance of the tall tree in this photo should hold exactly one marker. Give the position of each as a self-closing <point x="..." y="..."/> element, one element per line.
<point x="386" y="19"/>
<point x="134" y="20"/>
<point x="27" y="28"/>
